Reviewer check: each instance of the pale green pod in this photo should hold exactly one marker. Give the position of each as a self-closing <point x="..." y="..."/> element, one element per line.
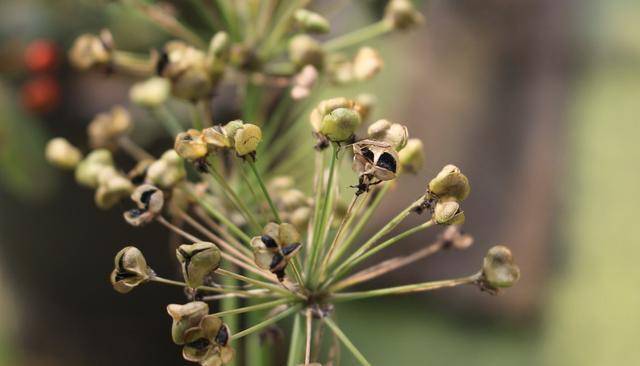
<point x="402" y="14"/>
<point x="185" y="317"/>
<point x="89" y="168"/>
<point x="450" y="182"/>
<point x="198" y="260"/>
<point x="412" y="156"/>
<point x="247" y="139"/>
<point x="190" y="145"/>
<point x="499" y="269"/>
<point x="130" y="270"/>
<point x="150" y="93"/>
<point x="340" y="124"/>
<point x="61" y="153"/>
<point x="304" y="50"/>
<point x="311" y="22"/>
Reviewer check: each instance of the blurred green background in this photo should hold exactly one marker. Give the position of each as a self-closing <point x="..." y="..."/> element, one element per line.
<point x="539" y="101"/>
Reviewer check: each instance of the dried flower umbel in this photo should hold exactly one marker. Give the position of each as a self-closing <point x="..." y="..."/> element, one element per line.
<point x="254" y="250"/>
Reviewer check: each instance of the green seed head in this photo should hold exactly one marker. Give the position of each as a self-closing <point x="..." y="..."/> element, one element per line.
<point x="304" y="50"/>
<point x="450" y="182"/>
<point x="197" y="261"/>
<point x="412" y="156"/>
<point x="130" y="269"/>
<point x="247" y="138"/>
<point x="499" y="269"/>
<point x="185" y="317"/>
<point x="447" y="212"/>
<point x="62" y="154"/>
<point x="402" y="15"/>
<point x="150" y="93"/>
<point x="311" y="22"/>
<point x="340" y="124"/>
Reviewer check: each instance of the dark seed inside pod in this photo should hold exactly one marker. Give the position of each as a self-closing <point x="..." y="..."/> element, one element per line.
<point x="268" y="241"/>
<point x="290" y="249"/>
<point x="134" y="212"/>
<point x="145" y="197"/>
<point x="124" y="275"/>
<point x="280" y="274"/>
<point x="163" y="61"/>
<point x="367" y="153"/>
<point x="222" y="338"/>
<point x="200" y="344"/>
<point x="276" y="260"/>
<point x="387" y="161"/>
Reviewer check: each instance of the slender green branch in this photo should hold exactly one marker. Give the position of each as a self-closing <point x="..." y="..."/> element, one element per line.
<point x="272" y="287"/>
<point x="358" y="36"/>
<point x="266" y="323"/>
<point x="247" y="309"/>
<point x="220" y="290"/>
<point x="347" y="265"/>
<point x="347" y="343"/>
<point x="274" y="210"/>
<point x="398" y="290"/>
<point x="219" y="216"/>
<point x="295" y="345"/>
<point x="168" y="120"/>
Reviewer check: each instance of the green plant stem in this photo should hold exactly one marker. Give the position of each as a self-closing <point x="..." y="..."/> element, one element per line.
<point x="320" y="222"/>
<point x="364" y="219"/>
<point x="272" y="287"/>
<point x="274" y="210"/>
<point x="220" y="290"/>
<point x="347" y="343"/>
<point x="295" y="345"/>
<point x="358" y="36"/>
<point x="233" y="197"/>
<point x="219" y="216"/>
<point x="336" y="237"/>
<point x="247" y="309"/>
<point x="226" y="13"/>
<point x="267" y="322"/>
<point x="318" y="184"/>
<point x="281" y="21"/>
<point x="132" y="63"/>
<point x="168" y="120"/>
<point x="350" y="264"/>
<point x="230" y="303"/>
<point x="204" y="13"/>
<point x="398" y="290"/>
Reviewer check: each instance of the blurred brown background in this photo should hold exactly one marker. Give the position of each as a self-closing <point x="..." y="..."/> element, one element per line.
<point x="537" y="102"/>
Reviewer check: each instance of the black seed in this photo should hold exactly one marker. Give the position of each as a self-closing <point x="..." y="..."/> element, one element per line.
<point x="124" y="275"/>
<point x="223" y="336"/>
<point x="367" y="153"/>
<point x="268" y="241"/>
<point x="289" y="249"/>
<point x="280" y="274"/>
<point x="134" y="212"/>
<point x="145" y="197"/>
<point x="276" y="260"/>
<point x="387" y="161"/>
<point x="200" y="344"/>
<point x="163" y="61"/>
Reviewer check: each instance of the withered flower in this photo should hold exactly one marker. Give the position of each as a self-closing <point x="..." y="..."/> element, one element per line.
<point x="149" y="200"/>
<point x="498" y="269"/>
<point x="106" y="128"/>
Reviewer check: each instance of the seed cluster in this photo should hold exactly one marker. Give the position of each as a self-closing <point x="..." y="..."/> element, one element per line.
<point x="256" y="243"/>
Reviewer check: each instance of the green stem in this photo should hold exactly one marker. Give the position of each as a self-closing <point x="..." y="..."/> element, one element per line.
<point x="350" y="264"/>
<point x="295" y="345"/>
<point x="274" y="210"/>
<point x="258" y="283"/>
<point x="199" y="288"/>
<point x="398" y="290"/>
<point x="319" y="225"/>
<point x="219" y="216"/>
<point x="168" y="120"/>
<point x="282" y="21"/>
<point x="266" y="323"/>
<point x="233" y="197"/>
<point x="347" y="343"/>
<point x="247" y="309"/>
<point x="358" y="36"/>
<point x="364" y="219"/>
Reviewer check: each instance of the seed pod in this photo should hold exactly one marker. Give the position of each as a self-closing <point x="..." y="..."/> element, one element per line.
<point x="149" y="200"/>
<point x="138" y="173"/>
<point x="62" y="154"/>
<point x="185" y="317"/>
<point x="216" y="138"/>
<point x="89" y="168"/>
<point x="275" y="247"/>
<point x="325" y="107"/>
<point x="450" y="182"/>
<point x="453" y="237"/>
<point x="190" y="145"/>
<point x="247" y="138"/>
<point x="364" y="104"/>
<point x="150" y="93"/>
<point x="198" y="260"/>
<point x="375" y="159"/>
<point x="447" y="212"/>
<point x="304" y="50"/>
<point x="106" y="128"/>
<point x="393" y="133"/>
<point x="311" y="22"/>
<point x="187" y="69"/>
<point x="231" y="128"/>
<point x="367" y="63"/>
<point x="412" y="156"/>
<point x="303" y="82"/>
<point x="167" y="171"/>
<point x="340" y="124"/>
<point x="219" y="356"/>
<point x="499" y="269"/>
<point x="89" y="50"/>
<point x="207" y="342"/>
<point x="219" y="53"/>
<point x="402" y="15"/>
<point x="112" y="188"/>
<point x="130" y="270"/>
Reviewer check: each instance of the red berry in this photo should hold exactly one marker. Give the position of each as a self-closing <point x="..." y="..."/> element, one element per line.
<point x="41" y="56"/>
<point x="41" y="94"/>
